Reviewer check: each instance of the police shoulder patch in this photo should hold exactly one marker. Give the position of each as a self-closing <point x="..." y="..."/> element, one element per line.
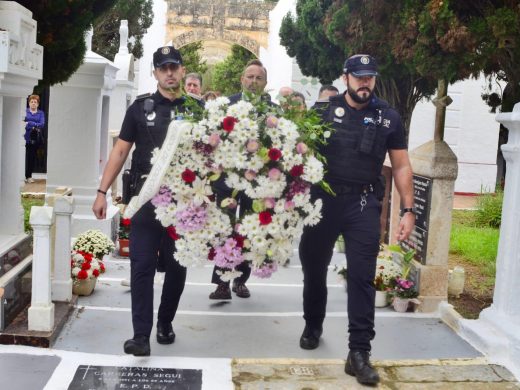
<point x="143" y="96"/>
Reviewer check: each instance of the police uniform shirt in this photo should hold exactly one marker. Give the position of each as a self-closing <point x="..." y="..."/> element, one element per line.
<point x="339" y="114"/>
<point x="148" y="131"/>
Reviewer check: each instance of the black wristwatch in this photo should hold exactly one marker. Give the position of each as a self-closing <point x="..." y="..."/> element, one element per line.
<point x="405" y="210"/>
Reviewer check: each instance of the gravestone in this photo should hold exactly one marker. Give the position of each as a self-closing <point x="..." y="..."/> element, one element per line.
<point x="137" y="378"/>
<point x="422" y="202"/>
<point x="435" y="170"/>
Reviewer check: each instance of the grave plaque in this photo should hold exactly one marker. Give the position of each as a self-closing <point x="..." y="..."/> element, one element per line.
<point x="422" y="200"/>
<point x="136" y="378"/>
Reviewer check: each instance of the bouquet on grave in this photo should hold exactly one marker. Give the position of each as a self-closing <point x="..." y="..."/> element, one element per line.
<point x="95" y="242"/>
<point x="85" y="266"/>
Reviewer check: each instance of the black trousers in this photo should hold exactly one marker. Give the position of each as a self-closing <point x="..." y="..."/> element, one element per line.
<point x="30" y="159"/>
<point x="147" y="237"/>
<point x="361" y="231"/>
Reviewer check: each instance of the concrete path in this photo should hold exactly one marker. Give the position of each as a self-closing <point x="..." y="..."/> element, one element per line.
<point x="245" y="343"/>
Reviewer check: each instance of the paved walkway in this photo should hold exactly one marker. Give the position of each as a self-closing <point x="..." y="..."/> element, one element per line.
<point x="242" y="344"/>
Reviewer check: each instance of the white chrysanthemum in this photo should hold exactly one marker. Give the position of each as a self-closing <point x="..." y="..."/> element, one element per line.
<point x="313" y="170"/>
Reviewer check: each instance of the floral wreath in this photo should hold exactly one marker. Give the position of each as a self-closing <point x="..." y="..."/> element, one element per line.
<point x="260" y="155"/>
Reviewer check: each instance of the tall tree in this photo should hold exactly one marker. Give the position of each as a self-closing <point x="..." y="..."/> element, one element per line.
<point x="61" y="31"/>
<point x="226" y="74"/>
<point x="192" y="58"/>
<point x="419" y="44"/>
<point x="139" y="14"/>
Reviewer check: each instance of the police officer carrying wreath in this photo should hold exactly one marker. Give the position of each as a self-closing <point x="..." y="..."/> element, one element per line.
<point x="365" y="129"/>
<point x="145" y="125"/>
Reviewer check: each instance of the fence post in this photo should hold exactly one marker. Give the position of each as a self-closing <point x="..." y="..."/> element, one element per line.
<point x="62" y="281"/>
<point x="41" y="312"/>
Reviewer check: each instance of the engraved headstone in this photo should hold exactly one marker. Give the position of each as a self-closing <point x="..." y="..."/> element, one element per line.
<point x="136" y="378"/>
<point x="422" y="198"/>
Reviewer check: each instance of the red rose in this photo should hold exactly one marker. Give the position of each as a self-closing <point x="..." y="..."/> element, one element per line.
<point x="296" y="171"/>
<point x="82" y="274"/>
<point x="87" y="256"/>
<point x="211" y="254"/>
<point x="228" y="123"/>
<point x="126" y="222"/>
<point x="265" y="218"/>
<point x="102" y="267"/>
<point x="172" y="232"/>
<point x="274" y="154"/>
<point x="72" y="264"/>
<point x="188" y="176"/>
<point x="85" y="266"/>
<point x="95" y="273"/>
<point x="239" y="240"/>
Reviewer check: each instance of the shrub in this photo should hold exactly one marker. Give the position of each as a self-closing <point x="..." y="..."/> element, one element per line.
<point x="489" y="209"/>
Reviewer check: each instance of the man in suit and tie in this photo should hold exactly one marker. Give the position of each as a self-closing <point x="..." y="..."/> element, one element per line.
<point x="253" y="80"/>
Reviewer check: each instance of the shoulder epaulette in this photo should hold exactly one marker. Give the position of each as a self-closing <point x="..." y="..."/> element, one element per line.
<point x="143" y="96"/>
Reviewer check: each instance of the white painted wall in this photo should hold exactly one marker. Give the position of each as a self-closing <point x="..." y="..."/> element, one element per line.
<point x="470" y="130"/>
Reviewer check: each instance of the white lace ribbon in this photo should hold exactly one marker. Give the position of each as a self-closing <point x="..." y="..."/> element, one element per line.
<point x="151" y="186"/>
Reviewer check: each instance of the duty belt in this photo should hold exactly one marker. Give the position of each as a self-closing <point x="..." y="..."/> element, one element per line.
<point x="352" y="188"/>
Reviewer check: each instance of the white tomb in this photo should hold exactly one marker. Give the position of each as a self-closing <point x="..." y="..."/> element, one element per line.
<point x="78" y="143"/>
<point x="21" y="64"/>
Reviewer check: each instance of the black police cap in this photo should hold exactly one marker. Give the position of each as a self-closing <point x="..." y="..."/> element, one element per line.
<point x="166" y="55"/>
<point x="360" y="65"/>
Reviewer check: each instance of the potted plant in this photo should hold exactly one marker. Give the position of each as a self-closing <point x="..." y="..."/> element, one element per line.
<point x="386" y="272"/>
<point x="85" y="269"/>
<point x="123" y="236"/>
<point x="404" y="293"/>
<point x="94" y="242"/>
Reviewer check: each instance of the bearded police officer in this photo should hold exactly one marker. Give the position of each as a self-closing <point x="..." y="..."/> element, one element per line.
<point x="145" y="125"/>
<point x="366" y="128"/>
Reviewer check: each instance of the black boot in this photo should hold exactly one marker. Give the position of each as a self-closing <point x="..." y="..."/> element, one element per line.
<point x="310" y="338"/>
<point x="165" y="333"/>
<point x="358" y="365"/>
<point x="222" y="292"/>
<point x="138" y="346"/>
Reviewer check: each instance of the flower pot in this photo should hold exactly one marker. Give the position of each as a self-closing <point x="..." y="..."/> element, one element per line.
<point x="124" y="248"/>
<point x="381" y="298"/>
<point x="83" y="286"/>
<point x="401" y="304"/>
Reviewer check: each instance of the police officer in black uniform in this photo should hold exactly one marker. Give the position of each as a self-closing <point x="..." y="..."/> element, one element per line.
<point x="365" y="129"/>
<point x="145" y="125"/>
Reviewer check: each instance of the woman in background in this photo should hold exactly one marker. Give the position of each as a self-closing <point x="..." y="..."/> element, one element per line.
<point x="34" y="122"/>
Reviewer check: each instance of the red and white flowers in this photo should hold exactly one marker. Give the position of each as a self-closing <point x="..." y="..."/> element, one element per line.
<point x="85" y="266"/>
<point x="260" y="155"/>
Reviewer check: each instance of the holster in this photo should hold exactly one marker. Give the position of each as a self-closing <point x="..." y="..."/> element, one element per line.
<point x="132" y="183"/>
<point x="379" y="187"/>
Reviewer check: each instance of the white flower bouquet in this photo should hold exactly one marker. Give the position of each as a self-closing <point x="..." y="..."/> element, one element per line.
<point x="263" y="156"/>
<point x="94" y="242"/>
<point x="386" y="273"/>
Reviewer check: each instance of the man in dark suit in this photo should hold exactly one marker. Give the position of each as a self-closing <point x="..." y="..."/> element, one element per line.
<point x="253" y="80"/>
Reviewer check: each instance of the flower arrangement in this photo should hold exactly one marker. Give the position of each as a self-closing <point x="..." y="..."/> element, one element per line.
<point x="85" y="266"/>
<point x="386" y="272"/>
<point x="403" y="288"/>
<point x="124" y="228"/>
<point x="263" y="156"/>
<point x="94" y="242"/>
